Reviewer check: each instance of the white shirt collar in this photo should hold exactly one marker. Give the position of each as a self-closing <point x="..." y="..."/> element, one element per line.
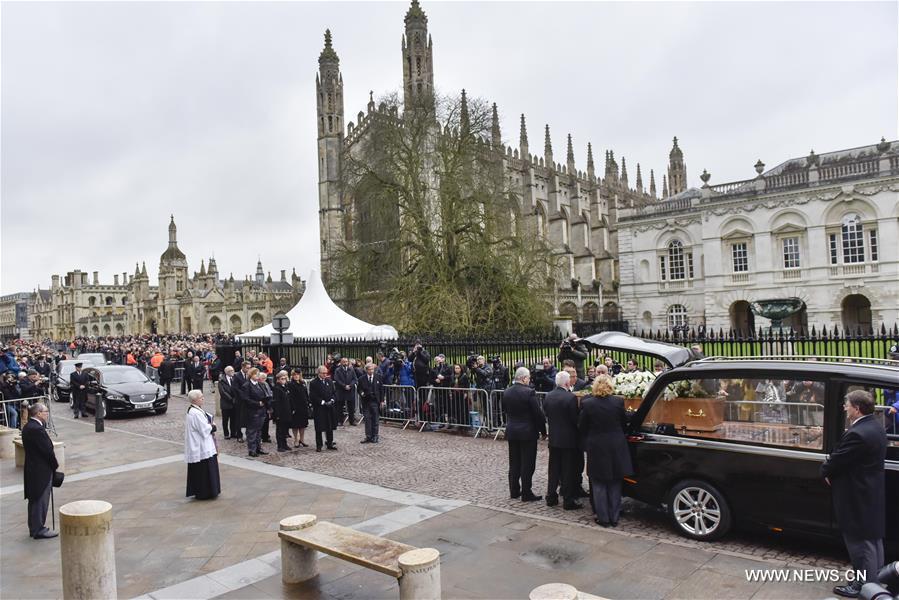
<point x="858" y="419"/>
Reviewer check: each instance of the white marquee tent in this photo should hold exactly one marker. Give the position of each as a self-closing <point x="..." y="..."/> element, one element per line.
<point x="316" y="316"/>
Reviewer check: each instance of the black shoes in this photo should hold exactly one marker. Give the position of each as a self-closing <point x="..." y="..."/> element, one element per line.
<point x="261" y="452"/>
<point x="267" y="440"/>
<point x="283" y="449"/>
<point x="847" y="591"/>
<point x="46" y="534"/>
<point x="365" y="441"/>
<point x="530" y="498"/>
<point x="552" y="500"/>
<point x="582" y="493"/>
<point x="571" y="505"/>
<point x="318" y="448"/>
<point x="374" y="440"/>
<point x="252" y="454"/>
<point x="331" y="447"/>
<point x="515" y="495"/>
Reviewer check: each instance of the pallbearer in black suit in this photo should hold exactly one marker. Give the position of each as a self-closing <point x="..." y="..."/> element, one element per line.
<point x="194" y="372"/>
<point x="321" y="395"/>
<point x="855" y="472"/>
<point x="524" y="423"/>
<point x="345" y="388"/>
<point x="560" y="407"/>
<point x="40" y="463"/>
<point x="78" y="382"/>
<point x="370" y="396"/>
<point x="602" y="422"/>
<point x="229" y="398"/>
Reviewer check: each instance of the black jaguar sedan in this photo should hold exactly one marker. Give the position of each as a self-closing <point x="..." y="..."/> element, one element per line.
<point x="124" y="389"/>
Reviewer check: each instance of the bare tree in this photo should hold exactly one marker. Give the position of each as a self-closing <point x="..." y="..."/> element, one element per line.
<point x="436" y="241"/>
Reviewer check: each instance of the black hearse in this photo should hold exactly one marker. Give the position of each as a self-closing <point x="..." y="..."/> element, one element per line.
<point x="725" y="442"/>
<point x="124" y="389"/>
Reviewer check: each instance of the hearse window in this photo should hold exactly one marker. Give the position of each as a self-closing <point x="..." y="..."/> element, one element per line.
<point x="886" y="411"/>
<point x="770" y="412"/>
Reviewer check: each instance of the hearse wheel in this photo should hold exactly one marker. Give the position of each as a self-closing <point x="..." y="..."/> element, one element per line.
<point x="698" y="510"/>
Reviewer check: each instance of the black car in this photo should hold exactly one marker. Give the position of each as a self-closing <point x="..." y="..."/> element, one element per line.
<point x="724" y="442"/>
<point x="60" y="379"/>
<point x="124" y="389"/>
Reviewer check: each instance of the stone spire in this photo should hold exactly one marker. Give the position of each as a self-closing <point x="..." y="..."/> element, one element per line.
<point x="548" y="150"/>
<point x="652" y="184"/>
<point x="624" y="172"/>
<point x="136" y="270"/>
<point x="464" y="118"/>
<point x="213" y="268"/>
<point x="495" y="136"/>
<point x="143" y="271"/>
<point x="418" y="63"/>
<point x="523" y="140"/>
<point x="611" y="167"/>
<point x="569" y="158"/>
<point x="639" y="183"/>
<point x="590" y="168"/>
<point x="202" y="268"/>
<point x="260" y="274"/>
<point x="664" y="186"/>
<point x="329" y="91"/>
<point x="677" y="170"/>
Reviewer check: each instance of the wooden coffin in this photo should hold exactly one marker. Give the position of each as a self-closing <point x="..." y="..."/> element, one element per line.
<point x="693" y="414"/>
<point x="632" y="404"/>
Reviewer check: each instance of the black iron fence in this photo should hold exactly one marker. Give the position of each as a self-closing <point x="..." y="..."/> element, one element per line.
<point x="308" y="354"/>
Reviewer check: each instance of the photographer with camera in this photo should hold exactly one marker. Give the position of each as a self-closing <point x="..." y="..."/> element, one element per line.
<point x="421" y="364"/>
<point x="573" y="348"/>
<point x="482" y="372"/>
<point x="544" y="379"/>
<point x="500" y="373"/>
<point x="400" y="373"/>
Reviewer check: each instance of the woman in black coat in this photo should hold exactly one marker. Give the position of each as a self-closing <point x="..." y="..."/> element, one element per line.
<point x="458" y="405"/>
<point x="602" y="423"/>
<point x="282" y="411"/>
<point x="299" y="401"/>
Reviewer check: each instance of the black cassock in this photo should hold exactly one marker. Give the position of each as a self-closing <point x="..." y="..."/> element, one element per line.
<point x="203" y="478"/>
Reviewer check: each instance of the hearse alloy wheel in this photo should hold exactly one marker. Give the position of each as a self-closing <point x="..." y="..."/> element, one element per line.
<point x="698" y="510"/>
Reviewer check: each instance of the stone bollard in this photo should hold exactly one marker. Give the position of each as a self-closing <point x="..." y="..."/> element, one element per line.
<point x="19" y="449"/>
<point x="7" y="435"/>
<point x="298" y="563"/>
<point x="554" y="591"/>
<point x="421" y="574"/>
<point x="87" y="550"/>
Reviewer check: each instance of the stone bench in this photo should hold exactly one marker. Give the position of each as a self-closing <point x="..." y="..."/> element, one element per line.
<point x="302" y="536"/>
<point x="59" y="449"/>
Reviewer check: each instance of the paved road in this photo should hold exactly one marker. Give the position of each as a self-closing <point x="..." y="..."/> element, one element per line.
<point x="459" y="467"/>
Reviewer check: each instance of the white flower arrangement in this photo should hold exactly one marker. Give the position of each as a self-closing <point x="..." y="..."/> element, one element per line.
<point x="634" y="384"/>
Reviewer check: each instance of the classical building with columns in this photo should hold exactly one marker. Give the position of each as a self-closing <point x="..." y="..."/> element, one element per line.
<point x="822" y="228"/>
<point x="181" y="303"/>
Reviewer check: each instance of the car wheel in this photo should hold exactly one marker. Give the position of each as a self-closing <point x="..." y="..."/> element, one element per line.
<point x="698" y="510"/>
<point x="161" y="411"/>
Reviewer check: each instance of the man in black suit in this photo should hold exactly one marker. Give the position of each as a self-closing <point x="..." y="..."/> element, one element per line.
<point x="241" y="380"/>
<point x="560" y="407"/>
<point x="194" y="373"/>
<point x="78" y="382"/>
<point x="344" y="386"/>
<point x="40" y="463"/>
<point x="321" y="395"/>
<point x="524" y="422"/>
<point x="370" y="388"/>
<point x="228" y="399"/>
<point x="167" y="373"/>
<point x="855" y="472"/>
<point x="421" y="365"/>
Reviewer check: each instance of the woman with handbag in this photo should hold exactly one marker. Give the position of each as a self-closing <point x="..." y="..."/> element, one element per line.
<point x="299" y="402"/>
<point x="200" y="452"/>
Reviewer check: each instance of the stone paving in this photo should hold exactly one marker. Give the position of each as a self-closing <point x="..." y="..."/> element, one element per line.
<point x="451" y="465"/>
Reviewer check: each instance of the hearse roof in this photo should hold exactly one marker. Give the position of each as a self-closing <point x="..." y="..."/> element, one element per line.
<point x="885" y="372"/>
<point x="615" y="340"/>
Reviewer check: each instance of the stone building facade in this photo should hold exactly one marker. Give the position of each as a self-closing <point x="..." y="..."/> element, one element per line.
<point x="181" y="303"/>
<point x="821" y="228"/>
<point x="573" y="205"/>
<point x="14" y="316"/>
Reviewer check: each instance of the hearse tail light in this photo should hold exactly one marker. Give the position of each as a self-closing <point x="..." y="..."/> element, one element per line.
<point x="630" y="481"/>
<point x="637" y="437"/>
<point x="776" y="529"/>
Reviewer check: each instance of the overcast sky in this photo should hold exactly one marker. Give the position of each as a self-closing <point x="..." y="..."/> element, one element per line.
<point x="115" y="115"/>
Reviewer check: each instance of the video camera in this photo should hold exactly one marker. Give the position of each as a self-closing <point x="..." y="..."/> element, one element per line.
<point x="472" y="361"/>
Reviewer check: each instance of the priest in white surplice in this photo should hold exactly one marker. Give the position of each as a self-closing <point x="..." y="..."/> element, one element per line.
<point x="200" y="452"/>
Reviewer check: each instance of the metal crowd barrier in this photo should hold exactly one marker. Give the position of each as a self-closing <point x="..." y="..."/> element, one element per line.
<point x="882" y="414"/>
<point x="399" y="404"/>
<point x="496" y="414"/>
<point x="16" y="404"/>
<point x="453" y="407"/>
<point x="179" y="374"/>
<point x="792" y="413"/>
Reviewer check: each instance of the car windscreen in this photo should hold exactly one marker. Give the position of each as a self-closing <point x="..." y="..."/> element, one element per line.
<point x="123" y="376"/>
<point x="65" y="371"/>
